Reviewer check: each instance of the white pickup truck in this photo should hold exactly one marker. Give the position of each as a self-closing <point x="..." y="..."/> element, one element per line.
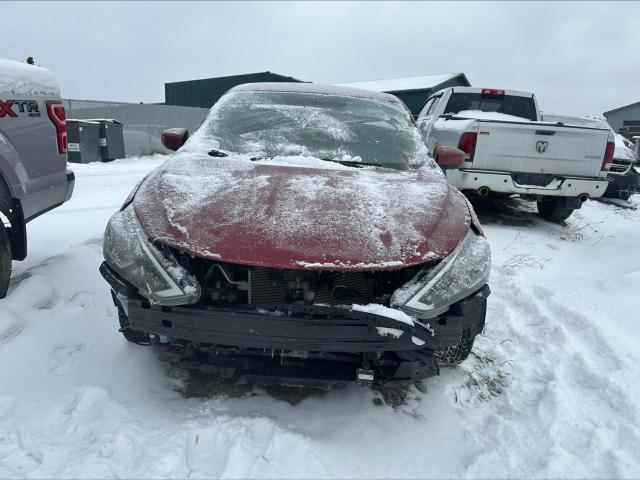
<point x="509" y="150"/>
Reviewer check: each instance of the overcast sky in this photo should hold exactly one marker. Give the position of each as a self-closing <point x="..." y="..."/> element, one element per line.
<point x="576" y="57"/>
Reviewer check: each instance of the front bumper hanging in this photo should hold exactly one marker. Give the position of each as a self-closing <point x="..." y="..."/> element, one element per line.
<point x="282" y="340"/>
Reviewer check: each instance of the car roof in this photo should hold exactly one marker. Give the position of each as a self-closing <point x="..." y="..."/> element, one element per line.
<point x="513" y="93"/>
<point x="315" y="88"/>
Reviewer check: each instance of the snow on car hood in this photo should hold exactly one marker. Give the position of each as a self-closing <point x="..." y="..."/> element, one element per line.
<point x="327" y="217"/>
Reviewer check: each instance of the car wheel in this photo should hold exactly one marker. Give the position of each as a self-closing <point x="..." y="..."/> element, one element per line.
<point x="452" y="356"/>
<point x="133" y="336"/>
<point x="554" y="209"/>
<point x="5" y="260"/>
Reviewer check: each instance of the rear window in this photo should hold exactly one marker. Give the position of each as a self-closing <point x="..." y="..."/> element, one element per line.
<point x="523" y="107"/>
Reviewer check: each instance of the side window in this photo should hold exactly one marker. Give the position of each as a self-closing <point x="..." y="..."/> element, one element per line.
<point x="425" y="109"/>
<point x="435" y="102"/>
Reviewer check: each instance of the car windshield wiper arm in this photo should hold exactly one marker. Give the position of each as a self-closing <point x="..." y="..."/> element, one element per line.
<point x="351" y="163"/>
<point x="217" y="153"/>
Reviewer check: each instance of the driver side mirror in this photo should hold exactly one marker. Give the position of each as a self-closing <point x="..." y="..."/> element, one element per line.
<point x="174" y="138"/>
<point x="449" y="157"/>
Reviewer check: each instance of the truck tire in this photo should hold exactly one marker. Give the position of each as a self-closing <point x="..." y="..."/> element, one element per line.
<point x="555" y="209"/>
<point x="452" y="356"/>
<point x="5" y="260"/>
<point x="133" y="336"/>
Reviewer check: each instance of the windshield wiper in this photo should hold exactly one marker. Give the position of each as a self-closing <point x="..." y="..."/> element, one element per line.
<point x="217" y="153"/>
<point x="351" y="163"/>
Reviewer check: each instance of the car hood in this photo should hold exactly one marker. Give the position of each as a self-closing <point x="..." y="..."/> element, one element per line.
<point x="301" y="213"/>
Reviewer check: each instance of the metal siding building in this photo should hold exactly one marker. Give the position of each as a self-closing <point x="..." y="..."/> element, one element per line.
<point x="414" y="91"/>
<point x="205" y="92"/>
<point x="625" y="120"/>
<point x="143" y="123"/>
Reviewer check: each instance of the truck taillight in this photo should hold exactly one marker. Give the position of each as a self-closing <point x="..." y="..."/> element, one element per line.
<point x="608" y="156"/>
<point x="467" y="144"/>
<point x="56" y="113"/>
<point x="492" y="91"/>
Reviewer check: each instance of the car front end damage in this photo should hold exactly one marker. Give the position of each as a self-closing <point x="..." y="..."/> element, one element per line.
<point x="296" y="326"/>
<point x="625" y="179"/>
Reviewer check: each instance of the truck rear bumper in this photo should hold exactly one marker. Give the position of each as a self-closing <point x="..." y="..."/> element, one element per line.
<point x="503" y="182"/>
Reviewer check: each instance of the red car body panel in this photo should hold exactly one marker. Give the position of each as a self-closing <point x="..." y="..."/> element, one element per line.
<point x="287" y="216"/>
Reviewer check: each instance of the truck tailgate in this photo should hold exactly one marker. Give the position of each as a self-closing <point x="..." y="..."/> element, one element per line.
<point x="540" y="148"/>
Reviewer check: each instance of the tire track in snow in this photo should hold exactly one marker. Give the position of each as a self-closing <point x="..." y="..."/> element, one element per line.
<point x="561" y="367"/>
<point x="90" y="434"/>
<point x="11" y="325"/>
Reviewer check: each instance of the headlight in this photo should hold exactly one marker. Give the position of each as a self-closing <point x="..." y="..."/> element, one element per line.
<point x="434" y="289"/>
<point x="157" y="276"/>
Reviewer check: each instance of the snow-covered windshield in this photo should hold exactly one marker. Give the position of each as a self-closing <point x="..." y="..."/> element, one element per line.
<point x="342" y="128"/>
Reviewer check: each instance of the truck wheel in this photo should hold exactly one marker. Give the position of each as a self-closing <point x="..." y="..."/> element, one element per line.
<point x="133" y="336"/>
<point x="452" y="356"/>
<point x="554" y="209"/>
<point x="5" y="260"/>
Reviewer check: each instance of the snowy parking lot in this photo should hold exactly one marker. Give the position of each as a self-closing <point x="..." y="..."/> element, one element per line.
<point x="551" y="389"/>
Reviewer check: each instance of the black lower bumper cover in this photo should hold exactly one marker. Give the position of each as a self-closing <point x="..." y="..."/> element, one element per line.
<point x="623" y="185"/>
<point x="71" y="181"/>
<point x="267" y="340"/>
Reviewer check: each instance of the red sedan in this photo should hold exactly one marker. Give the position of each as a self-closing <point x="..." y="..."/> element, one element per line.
<point x="301" y="235"/>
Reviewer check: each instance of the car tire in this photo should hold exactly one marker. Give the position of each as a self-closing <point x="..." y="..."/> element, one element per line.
<point x="5" y="260"/>
<point x="133" y="336"/>
<point x="554" y="209"/>
<point x="452" y="356"/>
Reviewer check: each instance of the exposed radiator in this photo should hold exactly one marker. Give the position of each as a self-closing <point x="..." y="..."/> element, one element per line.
<point x="361" y="284"/>
<point x="264" y="287"/>
<point x="269" y="286"/>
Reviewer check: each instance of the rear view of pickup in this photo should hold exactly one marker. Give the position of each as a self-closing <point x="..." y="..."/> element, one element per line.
<point x="510" y="151"/>
<point x="33" y="156"/>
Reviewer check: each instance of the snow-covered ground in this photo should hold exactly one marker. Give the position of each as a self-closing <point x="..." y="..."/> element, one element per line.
<point x="551" y="391"/>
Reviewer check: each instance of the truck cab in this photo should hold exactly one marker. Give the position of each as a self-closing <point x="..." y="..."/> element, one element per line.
<point x="33" y="156"/>
<point x="510" y="150"/>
